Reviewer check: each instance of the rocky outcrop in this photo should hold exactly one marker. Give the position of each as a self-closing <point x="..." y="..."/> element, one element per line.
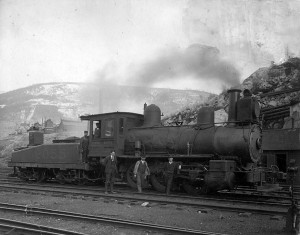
<point x="276" y="87"/>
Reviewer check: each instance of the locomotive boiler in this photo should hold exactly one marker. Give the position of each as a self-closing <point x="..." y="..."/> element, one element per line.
<point x="212" y="157"/>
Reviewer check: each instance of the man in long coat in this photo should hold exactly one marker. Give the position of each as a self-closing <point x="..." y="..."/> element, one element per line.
<point x="111" y="170"/>
<point x="84" y="146"/>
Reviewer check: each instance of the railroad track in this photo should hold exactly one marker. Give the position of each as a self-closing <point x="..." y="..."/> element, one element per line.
<point x="240" y="192"/>
<point x="125" y="189"/>
<point x="269" y="208"/>
<point x="244" y="193"/>
<point x="285" y="188"/>
<point x="97" y="219"/>
<point x="17" y="227"/>
<point x="248" y="195"/>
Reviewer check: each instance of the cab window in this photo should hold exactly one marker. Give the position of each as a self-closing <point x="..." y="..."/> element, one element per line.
<point x="97" y="130"/>
<point x="121" y="126"/>
<point x="108" y="129"/>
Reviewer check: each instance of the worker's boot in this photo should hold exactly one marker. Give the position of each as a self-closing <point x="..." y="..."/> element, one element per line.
<point x="139" y="188"/>
<point x="106" y="187"/>
<point x="112" y="188"/>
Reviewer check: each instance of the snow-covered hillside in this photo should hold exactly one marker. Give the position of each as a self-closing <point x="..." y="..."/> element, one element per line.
<point x="58" y="101"/>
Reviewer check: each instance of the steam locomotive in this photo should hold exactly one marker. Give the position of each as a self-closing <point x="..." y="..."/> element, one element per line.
<point x="212" y="157"/>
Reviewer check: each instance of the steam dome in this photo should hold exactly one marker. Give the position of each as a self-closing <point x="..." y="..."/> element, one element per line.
<point x="152" y="116"/>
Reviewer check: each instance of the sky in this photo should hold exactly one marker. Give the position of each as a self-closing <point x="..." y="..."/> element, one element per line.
<point x="205" y="45"/>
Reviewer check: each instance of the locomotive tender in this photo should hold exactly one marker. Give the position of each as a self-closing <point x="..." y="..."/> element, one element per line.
<point x="212" y="157"/>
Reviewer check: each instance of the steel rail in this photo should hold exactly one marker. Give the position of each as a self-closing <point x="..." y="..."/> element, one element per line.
<point x="102" y="219"/>
<point x="240" y="192"/>
<point x="123" y="187"/>
<point x="12" y="226"/>
<point x="251" y="193"/>
<point x="64" y="190"/>
<point x="53" y="184"/>
<point x="203" y="197"/>
<point x="281" y="208"/>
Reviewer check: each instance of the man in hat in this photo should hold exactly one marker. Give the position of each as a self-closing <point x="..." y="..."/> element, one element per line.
<point x="84" y="146"/>
<point x="170" y="168"/>
<point x="111" y="170"/>
<point x="141" y="171"/>
<point x="97" y="132"/>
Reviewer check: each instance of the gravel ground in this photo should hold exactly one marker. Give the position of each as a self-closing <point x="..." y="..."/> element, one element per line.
<point x="184" y="217"/>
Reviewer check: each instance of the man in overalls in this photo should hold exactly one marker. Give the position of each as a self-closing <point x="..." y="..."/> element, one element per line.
<point x="141" y="171"/>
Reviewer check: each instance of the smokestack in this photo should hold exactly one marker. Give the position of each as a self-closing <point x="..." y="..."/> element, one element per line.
<point x="234" y="96"/>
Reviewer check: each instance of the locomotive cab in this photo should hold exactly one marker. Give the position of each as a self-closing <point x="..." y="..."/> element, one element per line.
<point x="108" y="131"/>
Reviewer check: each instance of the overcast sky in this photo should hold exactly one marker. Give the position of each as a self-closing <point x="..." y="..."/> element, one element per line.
<point x="204" y="45"/>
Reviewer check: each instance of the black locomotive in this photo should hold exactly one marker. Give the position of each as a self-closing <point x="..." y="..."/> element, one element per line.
<point x="212" y="157"/>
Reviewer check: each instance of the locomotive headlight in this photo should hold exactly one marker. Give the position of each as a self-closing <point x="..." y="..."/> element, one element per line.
<point x="258" y="143"/>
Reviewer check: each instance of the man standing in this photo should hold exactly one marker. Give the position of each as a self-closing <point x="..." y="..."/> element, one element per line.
<point x="97" y="132"/>
<point x="141" y="170"/>
<point x="84" y="146"/>
<point x="169" y="171"/>
<point x="110" y="163"/>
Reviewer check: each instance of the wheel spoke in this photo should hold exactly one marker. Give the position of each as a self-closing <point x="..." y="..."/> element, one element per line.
<point x="131" y="180"/>
<point x="158" y="182"/>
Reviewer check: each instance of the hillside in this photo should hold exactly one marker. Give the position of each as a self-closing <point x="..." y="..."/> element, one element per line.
<point x="58" y="101"/>
<point x="274" y="86"/>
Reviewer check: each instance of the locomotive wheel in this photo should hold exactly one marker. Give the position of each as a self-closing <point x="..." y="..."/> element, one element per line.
<point x="81" y="182"/>
<point x="41" y="176"/>
<point x="24" y="175"/>
<point x="231" y="181"/>
<point x="193" y="190"/>
<point x="158" y="182"/>
<point x="60" y="177"/>
<point x="131" y="180"/>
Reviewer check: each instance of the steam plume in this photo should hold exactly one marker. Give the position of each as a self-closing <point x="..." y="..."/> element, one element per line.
<point x="197" y="62"/>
